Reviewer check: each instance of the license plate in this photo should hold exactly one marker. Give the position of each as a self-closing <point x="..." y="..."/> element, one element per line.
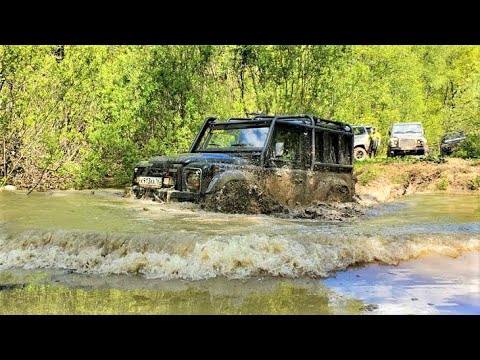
<point x="151" y="182"/>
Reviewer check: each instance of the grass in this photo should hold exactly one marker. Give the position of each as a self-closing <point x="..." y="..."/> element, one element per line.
<point x="368" y="176"/>
<point x="475" y="183"/>
<point x="443" y="183"/>
<point x="401" y="179"/>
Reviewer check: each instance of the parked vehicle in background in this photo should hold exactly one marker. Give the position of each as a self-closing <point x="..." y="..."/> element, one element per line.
<point x="361" y="142"/>
<point x="451" y="142"/>
<point x="407" y="139"/>
<point x="294" y="159"/>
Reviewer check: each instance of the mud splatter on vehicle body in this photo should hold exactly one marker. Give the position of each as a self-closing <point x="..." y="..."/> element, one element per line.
<point x="250" y="164"/>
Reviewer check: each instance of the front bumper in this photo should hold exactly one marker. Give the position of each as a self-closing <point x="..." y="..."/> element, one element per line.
<point x="416" y="150"/>
<point x="166" y="194"/>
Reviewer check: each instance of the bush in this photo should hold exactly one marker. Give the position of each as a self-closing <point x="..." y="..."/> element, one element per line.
<point x="475" y="183"/>
<point x="443" y="183"/>
<point x="470" y="148"/>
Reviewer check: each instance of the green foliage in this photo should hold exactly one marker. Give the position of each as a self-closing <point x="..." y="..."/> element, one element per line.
<point x="475" y="183"/>
<point x="84" y="115"/>
<point x="443" y="183"/>
<point x="470" y="148"/>
<point x="366" y="177"/>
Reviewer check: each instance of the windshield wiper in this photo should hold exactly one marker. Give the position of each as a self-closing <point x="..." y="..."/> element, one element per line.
<point x="241" y="145"/>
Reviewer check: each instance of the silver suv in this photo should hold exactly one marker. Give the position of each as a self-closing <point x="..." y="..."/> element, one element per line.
<point x="361" y="142"/>
<point x="407" y="139"/>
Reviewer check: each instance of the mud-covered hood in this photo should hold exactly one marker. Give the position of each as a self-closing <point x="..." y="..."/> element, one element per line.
<point x="188" y="158"/>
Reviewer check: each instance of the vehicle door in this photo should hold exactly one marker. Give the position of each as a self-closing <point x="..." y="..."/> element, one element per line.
<point x="288" y="161"/>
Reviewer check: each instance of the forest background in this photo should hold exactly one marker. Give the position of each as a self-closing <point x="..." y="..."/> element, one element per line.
<point x="82" y="116"/>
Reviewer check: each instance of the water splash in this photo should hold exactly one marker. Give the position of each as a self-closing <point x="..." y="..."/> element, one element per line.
<point x="193" y="257"/>
<point x="107" y="236"/>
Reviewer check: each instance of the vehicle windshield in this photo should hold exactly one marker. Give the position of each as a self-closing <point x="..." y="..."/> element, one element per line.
<point x="234" y="138"/>
<point x="454" y="135"/>
<point x="407" y="128"/>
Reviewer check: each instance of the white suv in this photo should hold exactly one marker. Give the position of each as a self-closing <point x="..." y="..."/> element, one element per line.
<point x="407" y="139"/>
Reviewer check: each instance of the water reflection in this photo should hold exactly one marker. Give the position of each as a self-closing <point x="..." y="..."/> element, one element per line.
<point x="79" y="294"/>
<point x="433" y="284"/>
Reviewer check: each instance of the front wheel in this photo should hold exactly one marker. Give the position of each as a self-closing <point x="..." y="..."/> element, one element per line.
<point x="360" y="154"/>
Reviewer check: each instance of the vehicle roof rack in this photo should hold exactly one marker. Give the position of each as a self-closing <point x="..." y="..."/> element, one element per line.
<point x="306" y="118"/>
<point x="256" y="117"/>
<point x="238" y="119"/>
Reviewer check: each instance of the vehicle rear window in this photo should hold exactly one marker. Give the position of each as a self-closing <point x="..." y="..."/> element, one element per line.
<point x="358" y="130"/>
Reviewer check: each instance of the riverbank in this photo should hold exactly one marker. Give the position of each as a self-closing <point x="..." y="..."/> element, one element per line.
<point x="380" y="182"/>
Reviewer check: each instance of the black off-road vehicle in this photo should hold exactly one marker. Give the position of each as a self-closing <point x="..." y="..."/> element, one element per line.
<point x="451" y="142"/>
<point x="235" y="165"/>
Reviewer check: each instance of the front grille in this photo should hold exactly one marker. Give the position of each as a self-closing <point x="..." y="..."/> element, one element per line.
<point x="156" y="172"/>
<point x="407" y="143"/>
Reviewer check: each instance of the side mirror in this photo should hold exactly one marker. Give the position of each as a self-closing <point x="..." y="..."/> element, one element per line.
<point x="389" y="133"/>
<point x="278" y="149"/>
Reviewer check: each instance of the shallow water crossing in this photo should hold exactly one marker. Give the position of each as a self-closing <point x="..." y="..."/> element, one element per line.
<point x="91" y="246"/>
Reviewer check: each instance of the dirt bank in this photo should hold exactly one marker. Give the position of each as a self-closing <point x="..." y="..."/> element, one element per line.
<point x="381" y="182"/>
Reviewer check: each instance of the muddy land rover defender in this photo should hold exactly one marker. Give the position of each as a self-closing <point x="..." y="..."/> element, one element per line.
<point x="235" y="165"/>
<point x="407" y="139"/>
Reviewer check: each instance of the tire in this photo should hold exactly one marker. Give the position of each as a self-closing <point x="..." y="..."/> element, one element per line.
<point x="360" y="154"/>
<point x="236" y="197"/>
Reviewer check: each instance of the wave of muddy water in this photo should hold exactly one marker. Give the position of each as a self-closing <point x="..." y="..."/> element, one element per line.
<point x="105" y="234"/>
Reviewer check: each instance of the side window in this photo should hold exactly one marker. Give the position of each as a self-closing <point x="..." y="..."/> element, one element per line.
<point x="344" y="150"/>
<point x="291" y="147"/>
<point x="330" y="148"/>
<point x="358" y="130"/>
<point x="319" y="156"/>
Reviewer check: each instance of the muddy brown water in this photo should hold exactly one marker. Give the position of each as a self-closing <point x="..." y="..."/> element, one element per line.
<point x="84" y="252"/>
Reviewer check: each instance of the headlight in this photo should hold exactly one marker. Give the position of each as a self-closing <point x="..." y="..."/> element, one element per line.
<point x="394" y="142"/>
<point x="193" y="179"/>
<point x="419" y="142"/>
<point x="136" y="172"/>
